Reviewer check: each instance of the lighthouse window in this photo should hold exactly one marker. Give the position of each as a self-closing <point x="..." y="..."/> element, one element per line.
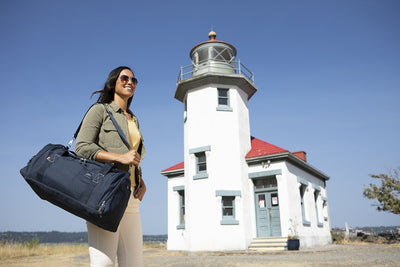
<point x="185" y="112"/>
<point x="181" y="194"/>
<point x="181" y="209"/>
<point x="223" y="100"/>
<point x="228" y="211"/>
<point x="265" y="183"/>
<point x="227" y="206"/>
<point x="201" y="162"/>
<point x="317" y="211"/>
<point x="325" y="209"/>
<point x="303" y="189"/>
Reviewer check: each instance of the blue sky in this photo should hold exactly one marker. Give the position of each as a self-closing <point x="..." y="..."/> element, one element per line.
<point x="327" y="72"/>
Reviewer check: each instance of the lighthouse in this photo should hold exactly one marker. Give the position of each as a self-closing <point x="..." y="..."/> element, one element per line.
<point x="215" y="90"/>
<point x="233" y="190"/>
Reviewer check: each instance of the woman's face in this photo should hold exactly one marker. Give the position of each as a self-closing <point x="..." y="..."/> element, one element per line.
<point x="125" y="87"/>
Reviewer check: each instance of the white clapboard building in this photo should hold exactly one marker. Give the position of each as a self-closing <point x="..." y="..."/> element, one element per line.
<point x="234" y="191"/>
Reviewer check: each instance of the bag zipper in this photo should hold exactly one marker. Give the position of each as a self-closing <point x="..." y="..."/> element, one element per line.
<point x="101" y="208"/>
<point x="106" y="199"/>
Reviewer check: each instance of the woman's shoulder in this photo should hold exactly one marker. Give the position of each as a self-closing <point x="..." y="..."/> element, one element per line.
<point x="96" y="108"/>
<point x="96" y="111"/>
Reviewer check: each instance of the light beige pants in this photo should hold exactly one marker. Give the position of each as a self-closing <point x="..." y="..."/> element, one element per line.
<point x="126" y="244"/>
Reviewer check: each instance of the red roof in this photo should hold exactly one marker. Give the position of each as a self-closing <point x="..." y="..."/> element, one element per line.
<point x="258" y="148"/>
<point x="262" y="148"/>
<point x="178" y="166"/>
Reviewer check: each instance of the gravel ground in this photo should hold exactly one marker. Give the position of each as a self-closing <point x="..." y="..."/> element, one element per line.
<point x="331" y="255"/>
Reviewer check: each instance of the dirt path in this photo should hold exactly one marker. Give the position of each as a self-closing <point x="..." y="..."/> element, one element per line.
<point x="331" y="255"/>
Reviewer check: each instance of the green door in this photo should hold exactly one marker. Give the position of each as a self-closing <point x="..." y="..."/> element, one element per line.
<point x="267" y="214"/>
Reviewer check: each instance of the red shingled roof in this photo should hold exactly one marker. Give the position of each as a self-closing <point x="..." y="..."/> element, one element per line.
<point x="262" y="148"/>
<point x="258" y="148"/>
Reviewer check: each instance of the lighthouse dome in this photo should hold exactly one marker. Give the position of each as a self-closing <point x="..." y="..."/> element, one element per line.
<point x="213" y="56"/>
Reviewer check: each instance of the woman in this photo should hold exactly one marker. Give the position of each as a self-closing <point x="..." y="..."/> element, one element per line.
<point x="99" y="140"/>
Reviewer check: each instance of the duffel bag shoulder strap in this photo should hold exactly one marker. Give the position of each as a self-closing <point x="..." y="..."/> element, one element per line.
<point x="121" y="133"/>
<point x="78" y="129"/>
<point x="138" y="172"/>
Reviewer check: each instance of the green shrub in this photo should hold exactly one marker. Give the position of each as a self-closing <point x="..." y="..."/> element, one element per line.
<point x="32" y="243"/>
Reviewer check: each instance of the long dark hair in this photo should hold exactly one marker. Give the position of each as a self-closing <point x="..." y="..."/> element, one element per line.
<point x="107" y="94"/>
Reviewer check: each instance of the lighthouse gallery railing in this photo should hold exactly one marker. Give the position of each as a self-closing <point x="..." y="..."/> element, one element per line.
<point x="238" y="68"/>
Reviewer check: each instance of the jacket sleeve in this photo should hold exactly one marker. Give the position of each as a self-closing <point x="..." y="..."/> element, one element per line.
<point x="87" y="143"/>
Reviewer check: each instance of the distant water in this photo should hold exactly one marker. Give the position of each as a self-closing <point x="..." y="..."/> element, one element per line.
<point x="64" y="237"/>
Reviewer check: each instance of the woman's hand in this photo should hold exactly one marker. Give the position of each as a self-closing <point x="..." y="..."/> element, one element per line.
<point x="142" y="190"/>
<point x="130" y="158"/>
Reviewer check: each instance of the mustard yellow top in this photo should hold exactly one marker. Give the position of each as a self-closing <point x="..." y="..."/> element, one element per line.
<point x="134" y="141"/>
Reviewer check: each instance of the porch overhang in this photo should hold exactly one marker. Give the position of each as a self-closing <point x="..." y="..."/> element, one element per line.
<point x="290" y="158"/>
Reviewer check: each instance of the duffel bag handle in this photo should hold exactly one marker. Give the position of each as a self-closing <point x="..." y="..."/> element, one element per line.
<point x="106" y="168"/>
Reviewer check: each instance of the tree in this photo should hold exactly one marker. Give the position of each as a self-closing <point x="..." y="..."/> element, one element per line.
<point x="388" y="193"/>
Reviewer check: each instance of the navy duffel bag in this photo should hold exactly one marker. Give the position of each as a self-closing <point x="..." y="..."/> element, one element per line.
<point x="97" y="192"/>
<point x="94" y="191"/>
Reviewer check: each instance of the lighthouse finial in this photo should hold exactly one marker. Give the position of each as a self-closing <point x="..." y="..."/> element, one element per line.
<point x="212" y="34"/>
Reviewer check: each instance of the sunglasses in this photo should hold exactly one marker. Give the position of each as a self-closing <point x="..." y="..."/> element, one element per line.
<point x="125" y="78"/>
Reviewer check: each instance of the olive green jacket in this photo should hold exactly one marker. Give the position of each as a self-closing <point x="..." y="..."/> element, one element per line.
<point x="98" y="133"/>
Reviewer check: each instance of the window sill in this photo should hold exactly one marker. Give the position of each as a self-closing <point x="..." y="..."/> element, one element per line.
<point x="180" y="226"/>
<point x="200" y="176"/>
<point x="224" y="108"/>
<point x="229" y="222"/>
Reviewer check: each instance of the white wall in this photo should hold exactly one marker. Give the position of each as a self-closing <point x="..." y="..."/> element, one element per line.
<point x="313" y="234"/>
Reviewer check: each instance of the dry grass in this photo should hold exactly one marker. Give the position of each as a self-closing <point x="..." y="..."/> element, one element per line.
<point x="18" y="250"/>
<point x="67" y="255"/>
<point x="154" y="245"/>
<point x="365" y="241"/>
<point x="28" y="249"/>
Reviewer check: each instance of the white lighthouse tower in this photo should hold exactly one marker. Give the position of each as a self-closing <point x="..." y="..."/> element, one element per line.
<point x="216" y="141"/>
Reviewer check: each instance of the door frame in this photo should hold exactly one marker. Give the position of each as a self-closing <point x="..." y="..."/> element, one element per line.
<point x="258" y="191"/>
